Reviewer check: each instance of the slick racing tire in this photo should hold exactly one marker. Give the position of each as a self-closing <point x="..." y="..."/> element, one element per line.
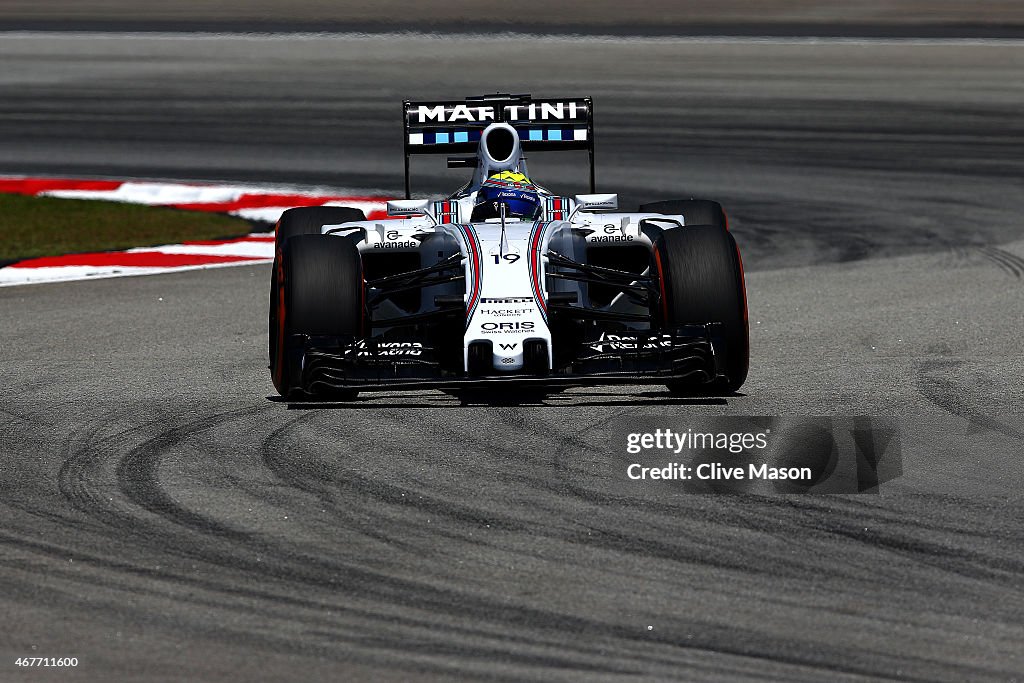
<point x="693" y="211"/>
<point x="701" y="278"/>
<point x="305" y="220"/>
<point x="319" y="291"/>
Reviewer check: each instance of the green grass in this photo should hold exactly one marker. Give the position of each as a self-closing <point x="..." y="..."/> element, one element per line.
<point x="45" y="226"/>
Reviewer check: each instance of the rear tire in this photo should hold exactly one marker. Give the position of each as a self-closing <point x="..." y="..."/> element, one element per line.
<point x="702" y="281"/>
<point x="693" y="211"/>
<point x="307" y="220"/>
<point x="318" y="283"/>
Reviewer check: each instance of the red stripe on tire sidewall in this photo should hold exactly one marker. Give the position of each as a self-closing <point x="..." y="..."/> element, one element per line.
<point x="661" y="286"/>
<point x="279" y="365"/>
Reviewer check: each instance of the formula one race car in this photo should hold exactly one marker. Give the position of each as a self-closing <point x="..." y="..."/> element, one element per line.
<point x="504" y="282"/>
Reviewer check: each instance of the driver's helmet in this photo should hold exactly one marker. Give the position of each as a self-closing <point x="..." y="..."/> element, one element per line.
<point x="514" y="190"/>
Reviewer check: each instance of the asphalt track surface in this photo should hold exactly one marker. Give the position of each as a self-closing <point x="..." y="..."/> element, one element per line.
<point x="166" y="519"/>
<point x="979" y="18"/>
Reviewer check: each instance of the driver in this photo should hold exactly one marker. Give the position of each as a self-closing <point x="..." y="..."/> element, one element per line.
<point x="520" y="197"/>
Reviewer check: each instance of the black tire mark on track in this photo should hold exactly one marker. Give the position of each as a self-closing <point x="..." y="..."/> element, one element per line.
<point x="328" y="490"/>
<point x="538" y="628"/>
<point x="137" y="478"/>
<point x="1008" y="262"/>
<point x="137" y="475"/>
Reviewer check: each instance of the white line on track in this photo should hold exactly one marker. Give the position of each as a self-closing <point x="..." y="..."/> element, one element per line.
<point x="45" y="276"/>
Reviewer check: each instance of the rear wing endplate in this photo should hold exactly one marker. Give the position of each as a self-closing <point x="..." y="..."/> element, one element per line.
<point x="454" y="126"/>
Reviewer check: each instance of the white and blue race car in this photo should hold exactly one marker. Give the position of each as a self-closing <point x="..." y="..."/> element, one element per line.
<point x="504" y="282"/>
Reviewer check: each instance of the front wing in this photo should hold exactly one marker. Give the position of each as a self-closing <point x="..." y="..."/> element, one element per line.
<point x="690" y="353"/>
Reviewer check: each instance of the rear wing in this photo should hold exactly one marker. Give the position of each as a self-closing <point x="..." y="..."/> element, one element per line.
<point x="454" y="126"/>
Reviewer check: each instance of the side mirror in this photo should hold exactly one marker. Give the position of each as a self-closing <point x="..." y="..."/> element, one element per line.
<point x="409" y="207"/>
<point x="596" y="202"/>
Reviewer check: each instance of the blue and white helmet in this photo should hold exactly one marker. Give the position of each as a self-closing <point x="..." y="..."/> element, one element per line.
<point x="514" y="190"/>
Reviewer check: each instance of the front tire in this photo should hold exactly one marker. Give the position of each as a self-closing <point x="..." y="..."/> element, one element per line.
<point x="702" y="281"/>
<point x="303" y="220"/>
<point x="319" y="292"/>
